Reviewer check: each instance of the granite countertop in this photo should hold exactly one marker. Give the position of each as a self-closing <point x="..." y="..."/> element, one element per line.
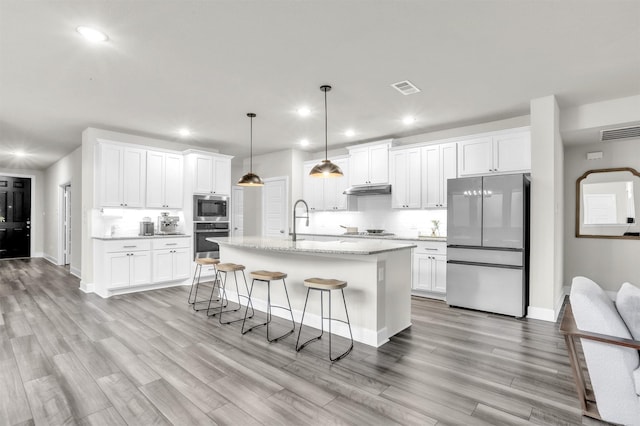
<point x="377" y="237"/>
<point x="305" y="246"/>
<point x="140" y="237"/>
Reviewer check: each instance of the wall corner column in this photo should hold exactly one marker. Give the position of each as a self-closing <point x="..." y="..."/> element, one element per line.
<point x="547" y="224"/>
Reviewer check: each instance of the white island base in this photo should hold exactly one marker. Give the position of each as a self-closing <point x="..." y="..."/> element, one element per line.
<point x="378" y="292"/>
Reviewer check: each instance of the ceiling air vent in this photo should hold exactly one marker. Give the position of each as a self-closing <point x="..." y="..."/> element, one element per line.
<point x="622" y="133"/>
<point x="405" y="87"/>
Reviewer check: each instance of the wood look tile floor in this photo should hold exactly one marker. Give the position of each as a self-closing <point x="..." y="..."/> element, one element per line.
<point x="148" y="359"/>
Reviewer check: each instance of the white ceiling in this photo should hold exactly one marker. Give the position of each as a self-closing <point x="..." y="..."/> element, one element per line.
<point x="205" y="64"/>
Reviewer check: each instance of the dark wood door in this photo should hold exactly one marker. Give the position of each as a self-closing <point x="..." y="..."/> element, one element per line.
<point x="15" y="217"/>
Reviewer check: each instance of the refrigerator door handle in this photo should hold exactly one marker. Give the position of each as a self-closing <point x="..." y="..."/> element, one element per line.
<point x="487" y="265"/>
<point x="485" y="248"/>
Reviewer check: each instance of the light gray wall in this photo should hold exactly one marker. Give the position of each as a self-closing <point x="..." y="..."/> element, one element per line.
<point x="609" y="262"/>
<point x="37" y="206"/>
<point x="276" y="164"/>
<point x="67" y="170"/>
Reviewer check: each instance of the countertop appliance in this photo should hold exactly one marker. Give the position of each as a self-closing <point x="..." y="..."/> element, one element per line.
<point x="204" y="230"/>
<point x="210" y="208"/>
<point x="167" y="224"/>
<point x="488" y="243"/>
<point x="146" y="227"/>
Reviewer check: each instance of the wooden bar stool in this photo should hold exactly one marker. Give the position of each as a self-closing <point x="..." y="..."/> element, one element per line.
<point x="195" y="283"/>
<point x="267" y="277"/>
<point x="225" y="268"/>
<point x="325" y="285"/>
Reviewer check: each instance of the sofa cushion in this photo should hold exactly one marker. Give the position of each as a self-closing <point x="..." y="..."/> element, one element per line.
<point x="628" y="304"/>
<point x="610" y="367"/>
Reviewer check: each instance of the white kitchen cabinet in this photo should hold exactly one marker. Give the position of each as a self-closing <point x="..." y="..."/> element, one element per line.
<point x="171" y="259"/>
<point x="429" y="276"/>
<point x="128" y="264"/>
<point x="170" y="264"/>
<point x="326" y="194"/>
<point x="313" y="188"/>
<point x="121" y="176"/>
<point x="501" y="153"/>
<point x="212" y="174"/>
<point x="439" y="163"/>
<point x="164" y="180"/>
<point x="405" y="177"/>
<point x="369" y="164"/>
<point x="334" y="199"/>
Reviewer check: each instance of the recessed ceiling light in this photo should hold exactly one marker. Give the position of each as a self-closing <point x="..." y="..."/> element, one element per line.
<point x="349" y="133"/>
<point x="304" y="142"/>
<point x="184" y="132"/>
<point x="92" y="34"/>
<point x="409" y="120"/>
<point x="19" y="154"/>
<point x="304" y="111"/>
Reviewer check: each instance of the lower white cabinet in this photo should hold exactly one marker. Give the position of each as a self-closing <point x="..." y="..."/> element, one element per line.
<point x="430" y="269"/>
<point x="170" y="264"/>
<point x="121" y="264"/>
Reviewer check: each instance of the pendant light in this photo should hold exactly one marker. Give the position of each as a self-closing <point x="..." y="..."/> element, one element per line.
<point x="251" y="179"/>
<point x="325" y="169"/>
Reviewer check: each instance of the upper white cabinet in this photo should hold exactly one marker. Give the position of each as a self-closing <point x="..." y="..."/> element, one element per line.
<point x="501" y="153"/>
<point x="121" y="172"/>
<point x="439" y="163"/>
<point x="405" y="176"/>
<point x="334" y="199"/>
<point x="212" y="174"/>
<point x="164" y="180"/>
<point x="369" y="164"/>
<point x="326" y="194"/>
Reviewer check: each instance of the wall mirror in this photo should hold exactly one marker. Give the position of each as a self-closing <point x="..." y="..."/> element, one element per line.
<point x="606" y="204"/>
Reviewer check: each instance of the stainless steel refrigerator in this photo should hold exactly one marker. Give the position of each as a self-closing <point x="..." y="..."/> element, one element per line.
<point x="488" y="243"/>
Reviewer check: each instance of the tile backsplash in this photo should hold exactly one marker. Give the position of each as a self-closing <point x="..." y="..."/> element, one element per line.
<point x="126" y="222"/>
<point x="375" y="212"/>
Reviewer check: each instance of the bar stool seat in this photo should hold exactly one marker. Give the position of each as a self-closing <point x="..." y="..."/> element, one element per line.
<point x="325" y="285"/>
<point x="195" y="283"/>
<point x="267" y="277"/>
<point x="225" y="268"/>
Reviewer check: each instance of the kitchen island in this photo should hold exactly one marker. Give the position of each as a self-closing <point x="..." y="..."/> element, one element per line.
<point x="378" y="274"/>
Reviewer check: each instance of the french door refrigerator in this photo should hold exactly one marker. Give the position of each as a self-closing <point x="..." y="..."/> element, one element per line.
<point x="488" y="243"/>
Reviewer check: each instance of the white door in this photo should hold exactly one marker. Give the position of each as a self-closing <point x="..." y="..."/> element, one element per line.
<point x="237" y="211"/>
<point x="67" y="225"/>
<point x="275" y="207"/>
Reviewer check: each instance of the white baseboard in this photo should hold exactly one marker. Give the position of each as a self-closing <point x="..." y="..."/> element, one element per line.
<point x="368" y="337"/>
<point x="75" y="272"/>
<point x="37" y="254"/>
<point x="126" y="290"/>
<point x="50" y="259"/>
<point x="611" y="294"/>
<point x="87" y="287"/>
<point x="544" y="314"/>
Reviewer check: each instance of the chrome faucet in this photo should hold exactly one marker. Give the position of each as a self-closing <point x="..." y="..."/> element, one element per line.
<point x="293" y="236"/>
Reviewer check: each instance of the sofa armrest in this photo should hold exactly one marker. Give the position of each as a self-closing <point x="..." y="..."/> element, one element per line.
<point x="568" y="327"/>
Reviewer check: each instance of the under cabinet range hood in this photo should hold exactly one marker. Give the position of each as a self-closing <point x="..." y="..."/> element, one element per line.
<point x="368" y="190"/>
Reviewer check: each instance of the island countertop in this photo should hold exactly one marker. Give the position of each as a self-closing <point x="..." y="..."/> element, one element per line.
<point x="358" y="247"/>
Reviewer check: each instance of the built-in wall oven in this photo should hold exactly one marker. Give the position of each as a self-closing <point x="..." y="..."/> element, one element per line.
<point x="204" y="230"/>
<point x="210" y="208"/>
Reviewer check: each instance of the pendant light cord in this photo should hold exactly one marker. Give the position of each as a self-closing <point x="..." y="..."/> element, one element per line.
<point x="251" y="146"/>
<point x="326" y="152"/>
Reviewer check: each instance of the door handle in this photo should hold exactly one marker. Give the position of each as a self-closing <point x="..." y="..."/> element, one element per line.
<point x="281" y="231"/>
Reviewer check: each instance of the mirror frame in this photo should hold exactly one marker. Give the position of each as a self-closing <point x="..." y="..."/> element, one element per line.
<point x="579" y="199"/>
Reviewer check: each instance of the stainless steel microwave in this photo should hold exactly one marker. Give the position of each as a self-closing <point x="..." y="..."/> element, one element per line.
<point x="210" y="208"/>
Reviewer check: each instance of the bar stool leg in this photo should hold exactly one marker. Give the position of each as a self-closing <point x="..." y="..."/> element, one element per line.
<point x="348" y="324"/>
<point x="196" y="273"/>
<point x="224" y="290"/>
<point x="304" y="310"/>
<point x="221" y="295"/>
<point x="244" y="320"/>
<point x="269" y="316"/>
<point x="196" y="283"/>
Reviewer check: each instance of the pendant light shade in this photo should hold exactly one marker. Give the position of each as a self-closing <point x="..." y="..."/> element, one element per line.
<point x="325" y="169"/>
<point x="251" y="179"/>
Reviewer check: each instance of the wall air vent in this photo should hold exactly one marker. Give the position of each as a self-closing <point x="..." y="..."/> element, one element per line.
<point x="405" y="87"/>
<point x="622" y="133"/>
